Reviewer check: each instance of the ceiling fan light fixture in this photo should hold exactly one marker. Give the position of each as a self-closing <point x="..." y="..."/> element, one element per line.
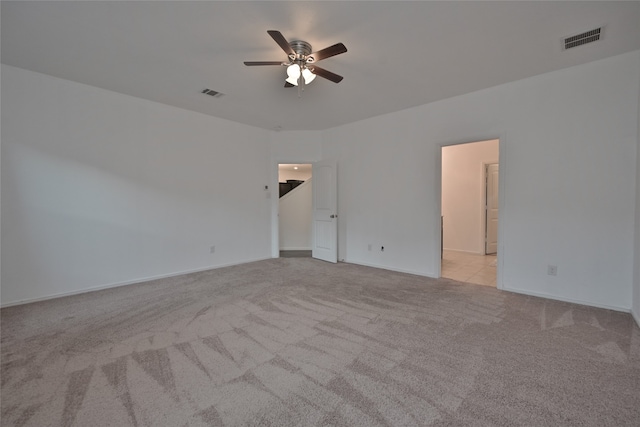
<point x="308" y="76"/>
<point x="293" y="73"/>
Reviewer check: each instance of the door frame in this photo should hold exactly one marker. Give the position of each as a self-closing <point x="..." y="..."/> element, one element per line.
<point x="502" y="179"/>
<point x="485" y="175"/>
<point x="273" y="193"/>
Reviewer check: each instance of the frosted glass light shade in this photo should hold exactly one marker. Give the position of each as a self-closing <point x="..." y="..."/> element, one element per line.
<point x="293" y="71"/>
<point x="308" y="76"/>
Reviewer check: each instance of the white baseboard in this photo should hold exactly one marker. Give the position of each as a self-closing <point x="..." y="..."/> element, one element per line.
<point x="295" y="249"/>
<point x="383" y="267"/>
<point x="563" y="299"/>
<point x="125" y="283"/>
<point x="463" y="252"/>
<point x="517" y="291"/>
<point x="636" y="317"/>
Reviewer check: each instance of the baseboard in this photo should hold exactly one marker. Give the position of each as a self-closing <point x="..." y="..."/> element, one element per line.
<point x="125" y="283"/>
<point x="383" y="267"/>
<point x="636" y="317"/>
<point x="296" y="249"/>
<point x="463" y="252"/>
<point x="517" y="291"/>
<point x="570" y="300"/>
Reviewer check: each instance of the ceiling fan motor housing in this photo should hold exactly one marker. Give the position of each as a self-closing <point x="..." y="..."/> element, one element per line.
<point x="302" y="50"/>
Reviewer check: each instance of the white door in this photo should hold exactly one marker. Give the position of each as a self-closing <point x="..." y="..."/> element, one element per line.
<point x="491" y="206"/>
<point x="325" y="212"/>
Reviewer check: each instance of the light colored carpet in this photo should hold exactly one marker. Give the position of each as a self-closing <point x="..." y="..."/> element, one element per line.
<point x="300" y="342"/>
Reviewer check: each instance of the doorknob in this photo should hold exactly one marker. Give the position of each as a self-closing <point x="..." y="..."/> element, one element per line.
<point x="333" y="216"/>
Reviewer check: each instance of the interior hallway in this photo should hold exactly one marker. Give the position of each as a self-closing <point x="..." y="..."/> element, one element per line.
<point x="470" y="268"/>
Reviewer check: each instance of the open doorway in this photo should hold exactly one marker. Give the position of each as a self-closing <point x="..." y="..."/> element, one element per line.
<point x="295" y="210"/>
<point x="470" y="212"/>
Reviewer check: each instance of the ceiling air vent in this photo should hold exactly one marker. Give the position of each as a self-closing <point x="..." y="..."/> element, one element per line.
<point x="213" y="93"/>
<point x="582" y="38"/>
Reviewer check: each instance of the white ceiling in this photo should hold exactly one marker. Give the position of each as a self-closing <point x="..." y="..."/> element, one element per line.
<point x="295" y="168"/>
<point x="400" y="54"/>
<point x="305" y="167"/>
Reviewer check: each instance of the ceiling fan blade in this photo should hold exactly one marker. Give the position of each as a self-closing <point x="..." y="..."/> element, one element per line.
<point x="326" y="74"/>
<point x="282" y="42"/>
<point x="328" y="52"/>
<point x="252" y="63"/>
<point x="287" y="84"/>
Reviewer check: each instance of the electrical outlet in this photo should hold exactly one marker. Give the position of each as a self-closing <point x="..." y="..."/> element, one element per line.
<point x="212" y="249"/>
<point x="370" y="246"/>
<point x="552" y="270"/>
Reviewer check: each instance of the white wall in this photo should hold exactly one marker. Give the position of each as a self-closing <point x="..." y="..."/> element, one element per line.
<point x="100" y="188"/>
<point x="568" y="172"/>
<point x="463" y="191"/>
<point x="295" y="146"/>
<point x="636" y="282"/>
<point x="295" y="218"/>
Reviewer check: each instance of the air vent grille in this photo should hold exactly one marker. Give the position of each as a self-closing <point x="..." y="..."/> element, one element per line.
<point x="583" y="38"/>
<point x="213" y="93"/>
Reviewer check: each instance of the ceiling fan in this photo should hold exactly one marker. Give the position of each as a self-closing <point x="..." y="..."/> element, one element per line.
<point x="301" y="68"/>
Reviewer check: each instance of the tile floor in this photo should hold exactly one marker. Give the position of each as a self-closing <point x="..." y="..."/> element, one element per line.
<point x="470" y="268"/>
